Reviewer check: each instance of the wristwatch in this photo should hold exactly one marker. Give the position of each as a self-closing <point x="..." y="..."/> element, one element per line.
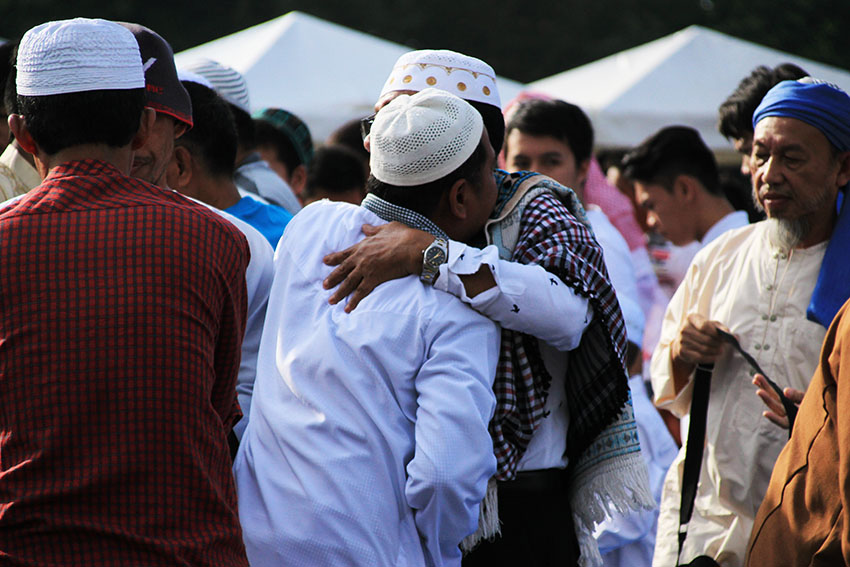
<point x="436" y="254"/>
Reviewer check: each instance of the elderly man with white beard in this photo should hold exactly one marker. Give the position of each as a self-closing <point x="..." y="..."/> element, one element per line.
<point x="774" y="285"/>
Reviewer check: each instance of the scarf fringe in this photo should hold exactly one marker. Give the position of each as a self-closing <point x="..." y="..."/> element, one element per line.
<point x="488" y="520"/>
<point x="616" y="486"/>
<point x="619" y="486"/>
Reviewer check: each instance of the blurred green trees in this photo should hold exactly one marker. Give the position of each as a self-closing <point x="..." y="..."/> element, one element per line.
<point x="523" y="40"/>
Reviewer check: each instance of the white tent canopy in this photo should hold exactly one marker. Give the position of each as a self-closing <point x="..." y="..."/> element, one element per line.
<point x="678" y="79"/>
<point x="325" y="73"/>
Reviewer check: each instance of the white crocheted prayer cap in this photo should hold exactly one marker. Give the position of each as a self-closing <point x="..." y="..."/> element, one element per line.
<point x="78" y="55"/>
<point x="462" y="75"/>
<point x="422" y="138"/>
<point x="226" y="81"/>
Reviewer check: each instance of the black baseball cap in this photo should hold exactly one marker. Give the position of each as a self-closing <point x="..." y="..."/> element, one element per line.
<point x="165" y="92"/>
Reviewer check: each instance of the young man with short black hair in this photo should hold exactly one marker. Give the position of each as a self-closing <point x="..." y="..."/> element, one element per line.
<point x="677" y="183"/>
<point x="203" y="166"/>
<point x="555" y="138"/>
<point x="551" y="137"/>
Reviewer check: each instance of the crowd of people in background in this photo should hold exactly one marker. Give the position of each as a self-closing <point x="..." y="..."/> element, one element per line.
<point x="450" y="334"/>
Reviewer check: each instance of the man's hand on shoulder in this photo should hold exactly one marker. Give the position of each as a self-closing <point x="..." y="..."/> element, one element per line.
<point x="390" y="251"/>
<point x="698" y="342"/>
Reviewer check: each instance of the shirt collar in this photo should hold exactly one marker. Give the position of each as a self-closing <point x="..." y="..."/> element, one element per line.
<point x="84" y="167"/>
<point x="390" y="212"/>
<point x="735" y="219"/>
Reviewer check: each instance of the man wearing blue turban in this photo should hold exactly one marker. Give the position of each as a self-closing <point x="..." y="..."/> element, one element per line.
<point x="775" y="285"/>
<point x="803" y="519"/>
<point x="827" y="109"/>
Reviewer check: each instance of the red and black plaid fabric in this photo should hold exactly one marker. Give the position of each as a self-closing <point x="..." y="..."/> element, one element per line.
<point x="122" y="310"/>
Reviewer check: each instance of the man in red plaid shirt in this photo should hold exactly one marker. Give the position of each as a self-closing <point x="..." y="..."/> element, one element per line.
<point x="120" y="328"/>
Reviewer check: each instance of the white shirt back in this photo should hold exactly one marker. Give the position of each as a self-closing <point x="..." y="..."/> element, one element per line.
<point x="368" y="442"/>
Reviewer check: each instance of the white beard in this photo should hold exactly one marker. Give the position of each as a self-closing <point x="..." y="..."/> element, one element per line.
<point x="787" y="234"/>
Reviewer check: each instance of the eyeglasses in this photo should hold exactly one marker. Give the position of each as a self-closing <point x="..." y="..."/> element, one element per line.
<point x="366" y="125"/>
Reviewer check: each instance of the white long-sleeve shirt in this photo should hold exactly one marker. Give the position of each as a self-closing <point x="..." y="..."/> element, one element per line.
<point x="526" y="300"/>
<point x="368" y="442"/>
<point x="618" y="258"/>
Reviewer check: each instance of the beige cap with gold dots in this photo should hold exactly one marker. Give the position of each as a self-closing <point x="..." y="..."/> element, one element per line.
<point x="467" y="77"/>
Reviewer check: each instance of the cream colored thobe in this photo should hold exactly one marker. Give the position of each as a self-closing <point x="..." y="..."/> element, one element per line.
<point x="761" y="293"/>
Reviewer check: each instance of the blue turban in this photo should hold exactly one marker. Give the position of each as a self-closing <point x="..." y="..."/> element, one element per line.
<point x="827" y="108"/>
<point x="824" y="106"/>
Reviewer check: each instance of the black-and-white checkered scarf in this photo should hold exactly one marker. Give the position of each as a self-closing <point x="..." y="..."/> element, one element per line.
<point x="553" y="235"/>
<point x="606" y="471"/>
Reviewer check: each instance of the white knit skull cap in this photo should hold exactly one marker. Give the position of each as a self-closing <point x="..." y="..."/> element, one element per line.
<point x="422" y="138"/>
<point x="226" y="81"/>
<point x="78" y="55"/>
<point x="462" y="75"/>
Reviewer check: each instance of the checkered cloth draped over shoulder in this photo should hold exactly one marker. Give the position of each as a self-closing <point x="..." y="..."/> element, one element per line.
<point x="597" y="386"/>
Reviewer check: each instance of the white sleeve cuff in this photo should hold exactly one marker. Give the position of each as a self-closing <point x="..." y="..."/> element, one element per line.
<point x="526" y="297"/>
